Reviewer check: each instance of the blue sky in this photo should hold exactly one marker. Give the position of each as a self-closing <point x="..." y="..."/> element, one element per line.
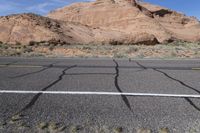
<point x="189" y="7"/>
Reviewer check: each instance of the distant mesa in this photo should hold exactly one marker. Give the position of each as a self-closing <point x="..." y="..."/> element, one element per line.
<point x="102" y="21"/>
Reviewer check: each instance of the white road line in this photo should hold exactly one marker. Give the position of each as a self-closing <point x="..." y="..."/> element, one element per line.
<point x="195" y="68"/>
<point x="21" y="66"/>
<point x="99" y="93"/>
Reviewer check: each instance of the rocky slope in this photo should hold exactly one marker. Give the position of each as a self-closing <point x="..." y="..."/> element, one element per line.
<point x="121" y="15"/>
<point x="24" y="28"/>
<point x="101" y="22"/>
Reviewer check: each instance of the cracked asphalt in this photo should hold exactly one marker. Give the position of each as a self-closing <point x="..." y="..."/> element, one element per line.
<point x="92" y="113"/>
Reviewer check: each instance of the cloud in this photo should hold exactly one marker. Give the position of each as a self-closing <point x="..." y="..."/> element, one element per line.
<point x="9" y="7"/>
<point x="41" y="8"/>
<point x="44" y="8"/>
<point x="60" y="1"/>
<point x="36" y="6"/>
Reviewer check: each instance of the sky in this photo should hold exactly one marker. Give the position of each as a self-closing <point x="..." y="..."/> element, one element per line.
<point x="42" y="7"/>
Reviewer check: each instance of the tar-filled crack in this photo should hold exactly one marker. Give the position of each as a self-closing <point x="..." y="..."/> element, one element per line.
<point x="35" y="72"/>
<point x="183" y="84"/>
<point x="90" y="74"/>
<point x="176" y="80"/>
<point x="192" y="104"/>
<point x="143" y="67"/>
<point x="124" y="98"/>
<point x="179" y="81"/>
<point x="35" y="98"/>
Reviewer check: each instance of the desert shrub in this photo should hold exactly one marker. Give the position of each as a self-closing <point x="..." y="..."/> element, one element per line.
<point x="14" y="53"/>
<point x="32" y="43"/>
<point x="18" y="43"/>
<point x="42" y="41"/>
<point x="174" y="54"/>
<point x="1" y="42"/>
<point x="86" y="48"/>
<point x="113" y="42"/>
<point x="28" y="49"/>
<point x="119" y="55"/>
<point x="54" y="42"/>
<point x="132" y="50"/>
<point x="46" y="44"/>
<point x="5" y="47"/>
<point x="178" y="43"/>
<point x="64" y="43"/>
<point x="18" y="53"/>
<point x="141" y="56"/>
<point x="51" y="48"/>
<point x="117" y="129"/>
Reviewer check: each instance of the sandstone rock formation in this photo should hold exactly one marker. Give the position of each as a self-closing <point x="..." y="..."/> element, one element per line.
<point x="102" y="21"/>
<point x="122" y="16"/>
<point x="24" y="28"/>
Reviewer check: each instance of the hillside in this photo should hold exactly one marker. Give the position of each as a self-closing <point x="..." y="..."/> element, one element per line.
<point x="101" y="22"/>
<point x="120" y="15"/>
<point x="24" y="28"/>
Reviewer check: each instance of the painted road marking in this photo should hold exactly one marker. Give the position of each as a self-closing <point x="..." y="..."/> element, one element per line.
<point x="40" y="66"/>
<point x="195" y="68"/>
<point x="21" y="66"/>
<point x="99" y="93"/>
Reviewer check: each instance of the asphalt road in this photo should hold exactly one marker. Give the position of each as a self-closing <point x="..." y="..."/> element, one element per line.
<point x="99" y="113"/>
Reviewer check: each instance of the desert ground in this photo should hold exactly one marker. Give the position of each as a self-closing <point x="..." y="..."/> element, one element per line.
<point x="163" y="51"/>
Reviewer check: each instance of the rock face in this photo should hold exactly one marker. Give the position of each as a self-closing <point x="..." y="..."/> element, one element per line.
<point x="102" y="21"/>
<point x="121" y="15"/>
<point x="24" y="28"/>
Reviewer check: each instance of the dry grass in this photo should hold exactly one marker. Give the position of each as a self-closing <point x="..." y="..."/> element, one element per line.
<point x="171" y="50"/>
